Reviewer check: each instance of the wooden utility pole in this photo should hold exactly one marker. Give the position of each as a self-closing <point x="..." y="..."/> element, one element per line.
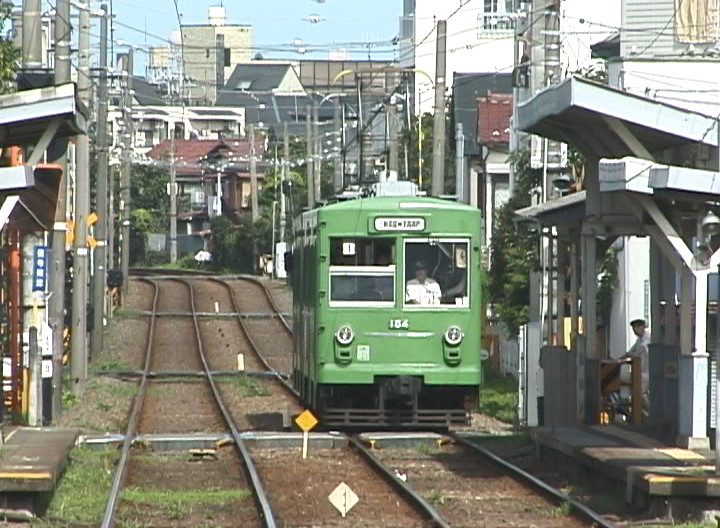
<point x="253" y="177"/>
<point x="56" y="303"/>
<point x="438" y="166"/>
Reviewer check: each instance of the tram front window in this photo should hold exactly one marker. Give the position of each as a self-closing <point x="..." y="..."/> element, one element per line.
<point x="362" y="271"/>
<point x="436" y="273"/>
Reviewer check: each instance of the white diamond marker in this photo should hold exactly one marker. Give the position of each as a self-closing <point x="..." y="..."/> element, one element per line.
<point x="343" y="498"/>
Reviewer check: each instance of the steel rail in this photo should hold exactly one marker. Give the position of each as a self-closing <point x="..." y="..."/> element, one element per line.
<point x="253" y="344"/>
<point x="579" y="509"/>
<point x="111" y="505"/>
<point x="416" y="500"/>
<point x="270" y="299"/>
<point x="260" y="495"/>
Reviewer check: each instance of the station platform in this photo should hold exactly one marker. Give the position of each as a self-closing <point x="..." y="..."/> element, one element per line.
<point x="638" y="457"/>
<point x="32" y="459"/>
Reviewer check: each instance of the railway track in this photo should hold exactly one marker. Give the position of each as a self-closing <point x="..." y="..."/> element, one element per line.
<point x="261" y="516"/>
<point x="297" y="489"/>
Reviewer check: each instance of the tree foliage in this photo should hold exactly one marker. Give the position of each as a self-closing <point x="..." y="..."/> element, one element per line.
<point x="514" y="252"/>
<point x="10" y="55"/>
<point x="148" y="191"/>
<point x="234" y="244"/>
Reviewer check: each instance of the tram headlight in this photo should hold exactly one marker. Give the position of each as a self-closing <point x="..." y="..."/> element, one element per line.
<point x="454" y="335"/>
<point x="344" y="335"/>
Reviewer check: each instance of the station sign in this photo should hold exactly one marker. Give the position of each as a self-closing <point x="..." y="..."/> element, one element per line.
<point x="40" y="268"/>
<point x="399" y="223"/>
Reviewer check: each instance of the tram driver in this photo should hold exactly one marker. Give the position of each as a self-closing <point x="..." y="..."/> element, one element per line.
<point x="422" y="289"/>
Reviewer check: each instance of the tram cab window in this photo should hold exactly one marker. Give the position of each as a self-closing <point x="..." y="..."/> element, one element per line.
<point x="362" y="271"/>
<point x="436" y="273"/>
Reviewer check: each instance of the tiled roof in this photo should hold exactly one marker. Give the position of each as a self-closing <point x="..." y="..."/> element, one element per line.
<point x="194" y="155"/>
<point x="493" y="124"/>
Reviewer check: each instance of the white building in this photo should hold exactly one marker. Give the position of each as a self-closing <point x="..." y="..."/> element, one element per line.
<point x="479" y="38"/>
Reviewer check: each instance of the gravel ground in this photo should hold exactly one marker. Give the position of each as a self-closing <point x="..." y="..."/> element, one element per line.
<point x="469" y="492"/>
<point x="299" y="490"/>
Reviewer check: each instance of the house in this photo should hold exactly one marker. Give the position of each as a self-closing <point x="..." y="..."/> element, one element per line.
<point x="213" y="176"/>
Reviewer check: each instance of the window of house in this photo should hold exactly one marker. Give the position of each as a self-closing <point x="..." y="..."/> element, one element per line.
<point x="362" y="271"/>
<point x="227" y="56"/>
<point x="496" y="15"/>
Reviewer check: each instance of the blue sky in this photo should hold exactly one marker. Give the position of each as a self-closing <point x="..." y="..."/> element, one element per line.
<point x="277" y="23"/>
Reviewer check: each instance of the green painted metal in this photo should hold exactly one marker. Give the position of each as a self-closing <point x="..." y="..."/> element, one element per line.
<point x="394" y="339"/>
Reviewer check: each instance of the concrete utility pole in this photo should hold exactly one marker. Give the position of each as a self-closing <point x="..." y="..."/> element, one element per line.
<point x="285" y="169"/>
<point x="32" y="61"/>
<point x="309" y="170"/>
<point x="459" y="163"/>
<point x="317" y="162"/>
<point x="31" y="35"/>
<point x="125" y="177"/>
<point x="253" y="178"/>
<point x="172" y="191"/>
<point x="393" y="164"/>
<point x="78" y="358"/>
<point x="101" y="205"/>
<point x="337" y="144"/>
<point x="552" y="63"/>
<point x="56" y="313"/>
<point x="438" y="166"/>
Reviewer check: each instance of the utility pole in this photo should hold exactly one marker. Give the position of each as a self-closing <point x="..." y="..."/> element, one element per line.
<point x="359" y="131"/>
<point x="78" y="358"/>
<point x="285" y="168"/>
<point x="101" y="205"/>
<point x="317" y="162"/>
<point x="309" y="169"/>
<point x="337" y="148"/>
<point x="173" y="199"/>
<point x="459" y="163"/>
<point x="32" y="61"/>
<point x="552" y="66"/>
<point x="438" y="166"/>
<point x="125" y="177"/>
<point x="253" y="178"/>
<point x="393" y="165"/>
<point x="56" y="313"/>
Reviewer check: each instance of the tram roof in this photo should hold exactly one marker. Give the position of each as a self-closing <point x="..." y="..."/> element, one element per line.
<point x="396" y="204"/>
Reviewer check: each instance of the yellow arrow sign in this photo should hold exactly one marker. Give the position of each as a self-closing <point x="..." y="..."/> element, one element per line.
<point x="91" y="219"/>
<point x="91" y="241"/>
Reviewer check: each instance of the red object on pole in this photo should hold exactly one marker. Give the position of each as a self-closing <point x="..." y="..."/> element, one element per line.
<point x="16" y="358"/>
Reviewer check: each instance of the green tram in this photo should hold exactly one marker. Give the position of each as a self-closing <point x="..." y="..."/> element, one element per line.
<point x="387" y="311"/>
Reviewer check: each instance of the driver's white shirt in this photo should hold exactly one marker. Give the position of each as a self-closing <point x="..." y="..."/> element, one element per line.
<point x="427" y="292"/>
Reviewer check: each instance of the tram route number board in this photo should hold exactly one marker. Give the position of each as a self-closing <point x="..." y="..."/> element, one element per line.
<point x="399" y="223"/>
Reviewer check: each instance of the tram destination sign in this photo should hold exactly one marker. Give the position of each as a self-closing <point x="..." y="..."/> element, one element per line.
<point x="399" y="223"/>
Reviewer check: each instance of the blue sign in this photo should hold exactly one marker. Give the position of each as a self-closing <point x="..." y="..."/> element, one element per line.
<point x="41" y="264"/>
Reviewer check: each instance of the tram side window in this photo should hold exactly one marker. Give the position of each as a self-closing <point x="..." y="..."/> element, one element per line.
<point x="362" y="271"/>
<point x="436" y="273"/>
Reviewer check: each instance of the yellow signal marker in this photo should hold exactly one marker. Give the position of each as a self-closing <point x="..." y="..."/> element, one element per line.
<point x="91" y="219"/>
<point x="306" y="421"/>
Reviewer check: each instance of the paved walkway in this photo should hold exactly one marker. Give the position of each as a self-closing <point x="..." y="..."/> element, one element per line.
<point x="32" y="459"/>
<point x="636" y="458"/>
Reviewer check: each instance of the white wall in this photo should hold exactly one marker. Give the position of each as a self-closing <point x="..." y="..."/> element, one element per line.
<point x="631" y="299"/>
<point x="470" y="48"/>
<point x="693" y="84"/>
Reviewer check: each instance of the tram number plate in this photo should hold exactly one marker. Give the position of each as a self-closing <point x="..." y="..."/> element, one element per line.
<point x="398" y="324"/>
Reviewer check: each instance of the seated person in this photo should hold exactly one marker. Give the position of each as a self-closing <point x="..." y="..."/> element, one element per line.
<point x="422" y="289"/>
